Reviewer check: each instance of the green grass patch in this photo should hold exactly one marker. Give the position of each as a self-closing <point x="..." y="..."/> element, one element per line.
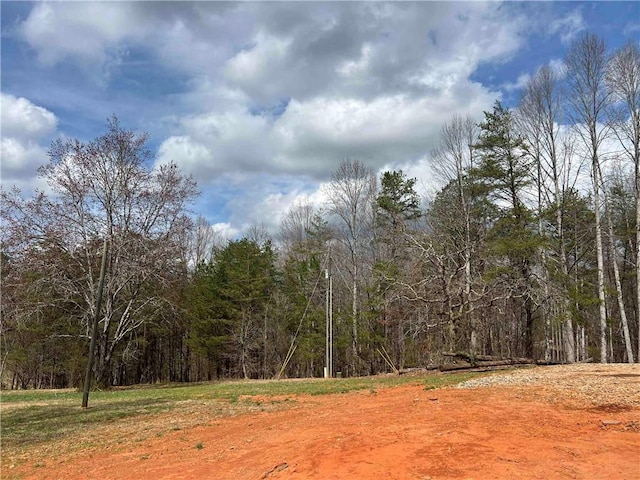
<point x="34" y="417"/>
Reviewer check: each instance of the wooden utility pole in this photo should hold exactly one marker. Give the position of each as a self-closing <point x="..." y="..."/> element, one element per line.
<point x="328" y="372"/>
<point x="330" y="324"/>
<point x="94" y="332"/>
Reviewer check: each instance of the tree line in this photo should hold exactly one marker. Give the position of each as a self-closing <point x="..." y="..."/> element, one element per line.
<point x="530" y="247"/>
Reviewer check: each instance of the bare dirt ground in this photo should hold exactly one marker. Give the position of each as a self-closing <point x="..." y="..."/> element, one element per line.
<point x="569" y="422"/>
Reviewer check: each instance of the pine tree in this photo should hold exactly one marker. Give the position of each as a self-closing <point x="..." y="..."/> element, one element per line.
<point x="504" y="172"/>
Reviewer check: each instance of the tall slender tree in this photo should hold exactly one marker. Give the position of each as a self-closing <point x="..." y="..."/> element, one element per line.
<point x="623" y="79"/>
<point x="351" y="197"/>
<point x="540" y="113"/>
<point x="504" y="169"/>
<point x="453" y="160"/>
<point x="589" y="99"/>
<point x="398" y="206"/>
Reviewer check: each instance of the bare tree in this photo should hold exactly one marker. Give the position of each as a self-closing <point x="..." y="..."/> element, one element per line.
<point x="351" y="201"/>
<point x="623" y="79"/>
<point x="452" y="161"/>
<point x="202" y="240"/>
<point x="296" y="224"/>
<point x="539" y="116"/>
<point x="589" y="99"/>
<point x="613" y="252"/>
<point x="105" y="189"/>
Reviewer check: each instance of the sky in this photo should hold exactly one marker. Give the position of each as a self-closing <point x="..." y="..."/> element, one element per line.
<point x="262" y="101"/>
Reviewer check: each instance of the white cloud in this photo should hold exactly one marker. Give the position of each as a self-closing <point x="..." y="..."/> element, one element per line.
<point x="85" y="30"/>
<point x="225" y="231"/>
<point x="20" y="159"/>
<point x="519" y="84"/>
<point x="25" y="127"/>
<point x="568" y="27"/>
<point x="259" y="199"/>
<point x="194" y="37"/>
<point x="311" y="138"/>
<point x="22" y="119"/>
<point x="324" y="132"/>
<point x="365" y="49"/>
<point x="259" y="62"/>
<point x="291" y="89"/>
<point x="214" y="143"/>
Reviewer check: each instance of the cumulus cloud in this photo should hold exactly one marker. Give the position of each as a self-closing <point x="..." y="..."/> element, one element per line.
<point x="311" y="138"/>
<point x="225" y="231"/>
<point x="88" y="31"/>
<point x="22" y="119"/>
<point x="25" y="127"/>
<point x="374" y="82"/>
<point x="259" y="200"/>
<point x="192" y="36"/>
<point x="363" y="49"/>
<point x="292" y="89"/>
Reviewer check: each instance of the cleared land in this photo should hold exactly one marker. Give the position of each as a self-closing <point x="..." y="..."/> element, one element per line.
<point x="580" y="421"/>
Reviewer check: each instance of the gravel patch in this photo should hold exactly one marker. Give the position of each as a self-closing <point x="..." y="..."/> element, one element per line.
<point x="597" y="385"/>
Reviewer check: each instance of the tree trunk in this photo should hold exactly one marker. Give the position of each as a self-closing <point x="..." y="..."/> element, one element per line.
<point x="567" y="324"/>
<point x="354" y="313"/>
<point x="600" y="262"/>
<point x="619" y="296"/>
<point x="637" y="172"/>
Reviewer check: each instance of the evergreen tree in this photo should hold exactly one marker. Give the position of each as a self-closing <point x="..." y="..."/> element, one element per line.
<point x="398" y="206"/>
<point x="231" y="304"/>
<point x="504" y="171"/>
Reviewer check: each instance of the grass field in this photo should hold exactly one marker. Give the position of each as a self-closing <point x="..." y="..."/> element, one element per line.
<point x="29" y="418"/>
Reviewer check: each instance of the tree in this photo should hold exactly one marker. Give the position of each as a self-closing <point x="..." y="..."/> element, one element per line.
<point x="351" y="200"/>
<point x="623" y="80"/>
<point x="296" y="224"/>
<point x="453" y="160"/>
<point x="539" y="116"/>
<point x="589" y="99"/>
<point x="39" y="346"/>
<point x="241" y="278"/>
<point x="201" y="242"/>
<point x="106" y="188"/>
<point x="397" y="202"/>
<point x="504" y="170"/>
<point x="398" y="209"/>
<point x="577" y="232"/>
<point x="208" y="332"/>
<point x="613" y="253"/>
<point x="305" y="238"/>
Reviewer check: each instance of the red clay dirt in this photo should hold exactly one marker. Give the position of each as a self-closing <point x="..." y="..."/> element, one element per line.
<point x="395" y="433"/>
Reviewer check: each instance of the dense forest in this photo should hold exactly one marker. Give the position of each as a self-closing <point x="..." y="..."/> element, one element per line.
<point x="529" y="247"/>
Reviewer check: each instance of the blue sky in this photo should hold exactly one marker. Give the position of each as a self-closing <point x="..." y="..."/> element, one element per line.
<point x="262" y="101"/>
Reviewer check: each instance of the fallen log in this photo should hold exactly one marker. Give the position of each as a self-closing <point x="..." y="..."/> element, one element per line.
<point x="462" y="355"/>
<point x="489" y="369"/>
<point x="455" y="366"/>
<point x="487" y="365"/>
<point x="497" y="363"/>
<point x="478" y="359"/>
<point x="549" y="362"/>
<point x="471" y="358"/>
